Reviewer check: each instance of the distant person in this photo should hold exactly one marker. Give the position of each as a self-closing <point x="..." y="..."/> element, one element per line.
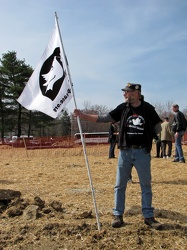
<point x="178" y="128"/>
<point x="112" y="139"/>
<point x="166" y="138"/>
<point x="158" y="146"/>
<point x="138" y="122"/>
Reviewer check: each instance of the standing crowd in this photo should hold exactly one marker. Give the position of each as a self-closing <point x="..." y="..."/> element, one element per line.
<point x="172" y="131"/>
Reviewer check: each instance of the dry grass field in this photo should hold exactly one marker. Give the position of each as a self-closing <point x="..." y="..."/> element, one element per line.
<point x="59" y="176"/>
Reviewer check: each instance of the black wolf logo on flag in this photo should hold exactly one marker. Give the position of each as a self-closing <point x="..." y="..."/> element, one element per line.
<point x="52" y="75"/>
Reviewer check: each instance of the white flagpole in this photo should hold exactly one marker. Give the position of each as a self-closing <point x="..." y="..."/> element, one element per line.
<point x="80" y="129"/>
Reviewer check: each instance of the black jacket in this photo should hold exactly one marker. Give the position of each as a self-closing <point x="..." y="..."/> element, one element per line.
<point x="179" y="122"/>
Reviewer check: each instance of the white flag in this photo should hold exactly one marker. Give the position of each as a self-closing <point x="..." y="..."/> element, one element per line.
<point x="49" y="87"/>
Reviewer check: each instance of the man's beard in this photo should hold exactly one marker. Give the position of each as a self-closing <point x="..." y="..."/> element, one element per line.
<point x="129" y="99"/>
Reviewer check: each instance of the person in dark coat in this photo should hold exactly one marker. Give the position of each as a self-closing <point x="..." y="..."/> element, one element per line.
<point x="112" y="139"/>
<point x="178" y="127"/>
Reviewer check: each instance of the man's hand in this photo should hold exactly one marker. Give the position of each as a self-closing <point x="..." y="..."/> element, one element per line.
<point x="176" y="135"/>
<point x="77" y="112"/>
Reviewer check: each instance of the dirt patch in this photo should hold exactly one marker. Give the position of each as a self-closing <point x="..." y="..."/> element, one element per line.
<point x="54" y="184"/>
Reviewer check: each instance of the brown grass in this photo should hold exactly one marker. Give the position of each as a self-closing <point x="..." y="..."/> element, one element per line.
<point x="61" y="175"/>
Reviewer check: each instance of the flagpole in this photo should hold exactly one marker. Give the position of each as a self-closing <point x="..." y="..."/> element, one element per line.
<point x="80" y="129"/>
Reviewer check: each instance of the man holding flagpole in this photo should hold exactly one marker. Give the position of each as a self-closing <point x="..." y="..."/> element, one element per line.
<point x="138" y="123"/>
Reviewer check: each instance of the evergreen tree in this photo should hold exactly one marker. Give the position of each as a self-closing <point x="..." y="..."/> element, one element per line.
<point x="66" y="123"/>
<point x="14" y="74"/>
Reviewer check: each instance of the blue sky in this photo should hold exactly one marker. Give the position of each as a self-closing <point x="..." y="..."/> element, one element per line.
<point x="108" y="43"/>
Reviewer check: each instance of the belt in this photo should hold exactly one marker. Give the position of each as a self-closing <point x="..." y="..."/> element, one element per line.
<point x="136" y="146"/>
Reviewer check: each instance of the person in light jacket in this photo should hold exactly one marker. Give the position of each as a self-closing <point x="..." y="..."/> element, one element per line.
<point x="166" y="138"/>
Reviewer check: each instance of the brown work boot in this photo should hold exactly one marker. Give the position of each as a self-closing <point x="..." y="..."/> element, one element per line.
<point x="151" y="222"/>
<point x="118" y="221"/>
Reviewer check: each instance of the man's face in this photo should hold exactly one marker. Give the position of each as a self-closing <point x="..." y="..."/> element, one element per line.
<point x="131" y="96"/>
<point x="175" y="108"/>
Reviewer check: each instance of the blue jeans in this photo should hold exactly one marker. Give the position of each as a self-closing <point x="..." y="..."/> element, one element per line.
<point x="178" y="146"/>
<point x="140" y="159"/>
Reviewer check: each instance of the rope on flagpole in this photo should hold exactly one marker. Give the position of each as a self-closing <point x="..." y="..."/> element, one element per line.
<point x="80" y="130"/>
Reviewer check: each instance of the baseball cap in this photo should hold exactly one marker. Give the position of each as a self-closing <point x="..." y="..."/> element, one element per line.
<point x="132" y="87"/>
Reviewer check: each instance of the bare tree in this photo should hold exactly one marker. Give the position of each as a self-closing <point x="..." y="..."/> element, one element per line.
<point x="164" y="109"/>
<point x="90" y="126"/>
